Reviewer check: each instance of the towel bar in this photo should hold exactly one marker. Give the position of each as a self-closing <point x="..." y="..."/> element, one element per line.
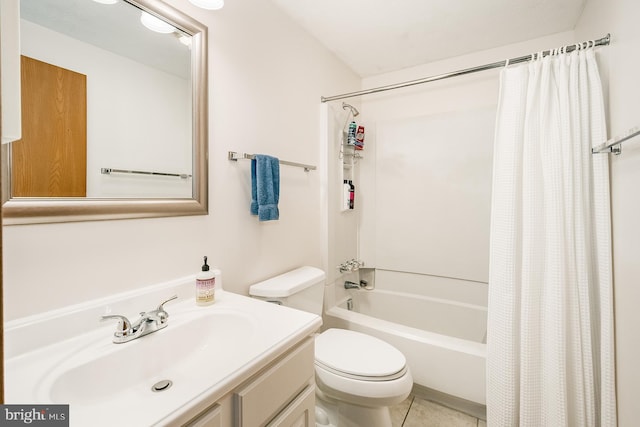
<point x="243" y="156"/>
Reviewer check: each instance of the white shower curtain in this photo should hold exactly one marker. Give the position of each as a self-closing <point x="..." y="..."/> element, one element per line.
<point x="550" y="345"/>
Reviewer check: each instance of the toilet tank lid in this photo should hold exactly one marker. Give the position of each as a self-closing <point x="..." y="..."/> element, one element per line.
<point x="288" y="283"/>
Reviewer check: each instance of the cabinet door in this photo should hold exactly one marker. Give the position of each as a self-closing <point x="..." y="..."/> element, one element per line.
<point x="300" y="413"/>
<point x="212" y="417"/>
<point x="266" y="396"/>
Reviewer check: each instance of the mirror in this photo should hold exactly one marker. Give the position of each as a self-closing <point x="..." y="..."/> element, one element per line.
<point x="121" y="130"/>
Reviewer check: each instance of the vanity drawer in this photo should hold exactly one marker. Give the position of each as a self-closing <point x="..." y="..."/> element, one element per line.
<point x="263" y="398"/>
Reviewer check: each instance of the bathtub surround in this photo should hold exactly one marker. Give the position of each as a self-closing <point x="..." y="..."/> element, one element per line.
<point x="442" y="164"/>
<point x="550" y="293"/>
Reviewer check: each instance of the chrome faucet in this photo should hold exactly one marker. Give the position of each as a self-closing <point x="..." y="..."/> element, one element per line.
<point x="351" y="285"/>
<point x="146" y="324"/>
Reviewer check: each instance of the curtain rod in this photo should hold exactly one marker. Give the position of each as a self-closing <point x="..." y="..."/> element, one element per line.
<point x="604" y="41"/>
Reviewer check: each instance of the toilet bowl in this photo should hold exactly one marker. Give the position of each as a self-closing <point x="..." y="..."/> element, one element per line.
<point x="357" y="376"/>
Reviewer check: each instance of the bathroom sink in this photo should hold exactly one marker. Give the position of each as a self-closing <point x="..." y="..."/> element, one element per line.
<point x="202" y="353"/>
<point x="180" y="353"/>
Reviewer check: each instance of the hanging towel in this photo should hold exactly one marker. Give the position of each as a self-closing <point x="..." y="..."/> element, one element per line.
<point x="265" y="187"/>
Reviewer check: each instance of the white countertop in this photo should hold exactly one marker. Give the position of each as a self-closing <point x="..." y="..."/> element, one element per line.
<point x="109" y="384"/>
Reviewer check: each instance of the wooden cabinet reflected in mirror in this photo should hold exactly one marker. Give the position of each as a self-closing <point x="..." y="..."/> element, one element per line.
<point x="142" y="107"/>
<point x="51" y="158"/>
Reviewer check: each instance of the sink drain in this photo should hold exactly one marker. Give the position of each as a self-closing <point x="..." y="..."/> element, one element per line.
<point x="161" y="385"/>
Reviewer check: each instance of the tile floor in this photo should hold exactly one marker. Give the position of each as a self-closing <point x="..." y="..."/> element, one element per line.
<point x="416" y="412"/>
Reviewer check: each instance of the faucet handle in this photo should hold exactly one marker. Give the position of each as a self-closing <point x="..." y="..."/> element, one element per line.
<point x="160" y="313"/>
<point x="124" y="325"/>
<point x="161" y="308"/>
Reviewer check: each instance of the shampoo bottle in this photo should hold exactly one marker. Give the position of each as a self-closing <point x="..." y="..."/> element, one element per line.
<point x="346" y="191"/>
<point x="205" y="285"/>
<point x="352" y="194"/>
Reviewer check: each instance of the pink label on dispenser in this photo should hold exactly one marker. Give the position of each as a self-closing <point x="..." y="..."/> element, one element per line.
<point x="206" y="289"/>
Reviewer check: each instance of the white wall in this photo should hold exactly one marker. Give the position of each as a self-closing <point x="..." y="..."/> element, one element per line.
<point x="426" y="180"/>
<point x="266" y="77"/>
<point x="620" y="66"/>
<point x="130" y="123"/>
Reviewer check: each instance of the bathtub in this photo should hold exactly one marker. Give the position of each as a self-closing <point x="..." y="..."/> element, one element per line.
<point x="444" y="340"/>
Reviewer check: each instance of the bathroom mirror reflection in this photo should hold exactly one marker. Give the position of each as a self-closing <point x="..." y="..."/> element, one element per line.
<point x="113" y="111"/>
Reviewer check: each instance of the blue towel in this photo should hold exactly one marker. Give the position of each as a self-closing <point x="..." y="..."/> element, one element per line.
<point x="265" y="187"/>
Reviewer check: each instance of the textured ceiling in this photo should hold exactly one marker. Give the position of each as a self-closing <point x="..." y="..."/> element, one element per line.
<point x="377" y="36"/>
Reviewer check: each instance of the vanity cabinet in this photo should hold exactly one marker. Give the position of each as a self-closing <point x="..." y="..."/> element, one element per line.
<point x="282" y="394"/>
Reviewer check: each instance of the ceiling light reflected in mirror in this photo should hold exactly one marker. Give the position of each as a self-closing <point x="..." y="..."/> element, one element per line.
<point x="208" y="4"/>
<point x="156" y="24"/>
<point x="185" y="40"/>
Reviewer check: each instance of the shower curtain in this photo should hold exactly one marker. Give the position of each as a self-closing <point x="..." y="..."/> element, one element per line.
<point x="550" y="359"/>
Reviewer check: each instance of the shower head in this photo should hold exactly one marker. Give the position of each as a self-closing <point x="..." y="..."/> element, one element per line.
<point x="350" y="107"/>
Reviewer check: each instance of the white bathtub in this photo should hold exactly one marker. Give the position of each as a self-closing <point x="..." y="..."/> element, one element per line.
<point x="442" y="339"/>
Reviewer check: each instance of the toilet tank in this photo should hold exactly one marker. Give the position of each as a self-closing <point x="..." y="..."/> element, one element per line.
<point x="302" y="288"/>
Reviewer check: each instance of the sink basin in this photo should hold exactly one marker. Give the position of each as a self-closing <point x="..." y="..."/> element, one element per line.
<point x="181" y="353"/>
<point x="203" y="351"/>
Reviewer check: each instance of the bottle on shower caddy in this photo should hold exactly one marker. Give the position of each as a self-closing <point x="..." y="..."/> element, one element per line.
<point x="352" y="194"/>
<point x="351" y="135"/>
<point x="360" y="138"/>
<point x="346" y="193"/>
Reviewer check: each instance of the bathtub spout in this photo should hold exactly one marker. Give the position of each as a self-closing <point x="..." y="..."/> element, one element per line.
<point x="351" y="285"/>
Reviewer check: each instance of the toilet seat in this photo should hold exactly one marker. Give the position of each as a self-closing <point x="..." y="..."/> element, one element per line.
<point x="358" y="356"/>
<point x="360" y="369"/>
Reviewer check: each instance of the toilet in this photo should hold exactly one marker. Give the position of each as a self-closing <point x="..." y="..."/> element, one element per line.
<point x="357" y="376"/>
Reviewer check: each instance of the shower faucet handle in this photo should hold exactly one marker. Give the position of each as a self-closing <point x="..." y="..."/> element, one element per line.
<point x="351" y="265"/>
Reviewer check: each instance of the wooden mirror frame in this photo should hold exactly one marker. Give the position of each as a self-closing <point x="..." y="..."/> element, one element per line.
<point x="51" y="210"/>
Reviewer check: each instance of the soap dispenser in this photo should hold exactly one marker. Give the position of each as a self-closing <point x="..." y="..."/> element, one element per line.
<point x="205" y="285"/>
